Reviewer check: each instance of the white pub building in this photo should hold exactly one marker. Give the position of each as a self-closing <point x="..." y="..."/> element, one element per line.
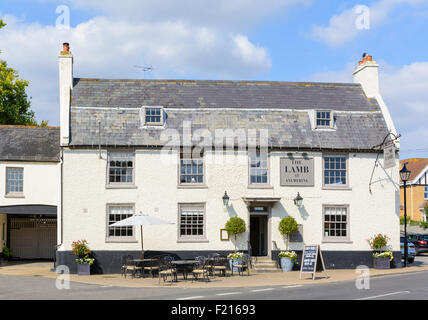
<point x="173" y="148"/>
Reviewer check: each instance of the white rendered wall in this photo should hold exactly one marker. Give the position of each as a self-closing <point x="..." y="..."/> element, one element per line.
<point x="157" y="194"/>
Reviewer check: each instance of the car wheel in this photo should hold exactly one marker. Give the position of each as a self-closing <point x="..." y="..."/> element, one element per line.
<point x="411" y="260"/>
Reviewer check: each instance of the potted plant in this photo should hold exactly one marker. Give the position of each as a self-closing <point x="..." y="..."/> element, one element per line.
<point x="287" y="227"/>
<point x="287" y="260"/>
<point x="235" y="226"/>
<point x="235" y="259"/>
<point x="84" y="262"/>
<point x="7" y="253"/>
<point x="381" y="256"/>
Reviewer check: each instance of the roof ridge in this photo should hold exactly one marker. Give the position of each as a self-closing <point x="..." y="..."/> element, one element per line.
<point x="26" y="126"/>
<point x="254" y="82"/>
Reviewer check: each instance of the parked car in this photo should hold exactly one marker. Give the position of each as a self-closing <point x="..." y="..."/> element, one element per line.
<point x="420" y="241"/>
<point x="411" y="252"/>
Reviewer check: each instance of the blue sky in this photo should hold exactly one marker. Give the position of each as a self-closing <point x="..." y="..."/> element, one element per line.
<point x="287" y="40"/>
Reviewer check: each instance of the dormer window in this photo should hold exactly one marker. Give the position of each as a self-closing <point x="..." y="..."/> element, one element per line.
<point x="324" y="119"/>
<point x="153" y="116"/>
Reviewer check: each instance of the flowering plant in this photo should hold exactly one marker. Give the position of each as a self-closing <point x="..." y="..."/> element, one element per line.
<point x="386" y="254"/>
<point x="287" y="254"/>
<point x="378" y="242"/>
<point x="85" y="260"/>
<point x="80" y="248"/>
<point x="236" y="255"/>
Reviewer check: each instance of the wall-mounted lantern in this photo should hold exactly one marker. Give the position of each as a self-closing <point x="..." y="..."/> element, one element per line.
<point x="298" y="200"/>
<point x="226" y="199"/>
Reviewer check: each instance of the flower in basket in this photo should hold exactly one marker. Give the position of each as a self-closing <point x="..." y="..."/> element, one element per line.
<point x="80" y="248"/>
<point x="236" y="255"/>
<point x="287" y="254"/>
<point x="386" y="254"/>
<point x="378" y="242"/>
<point x="85" y="260"/>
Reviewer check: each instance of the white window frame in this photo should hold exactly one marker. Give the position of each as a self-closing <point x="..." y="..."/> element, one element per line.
<point x="122" y="152"/>
<point x="331" y="120"/>
<point x="192" y="207"/>
<point x="13" y="194"/>
<point x="250" y="160"/>
<point x="154" y="124"/>
<point x="426" y="192"/>
<point x="185" y="157"/>
<point x="333" y="185"/>
<point x="119" y="238"/>
<point x="335" y="238"/>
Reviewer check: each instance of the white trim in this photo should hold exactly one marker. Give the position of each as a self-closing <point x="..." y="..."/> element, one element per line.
<point x="137" y="109"/>
<point x="419" y="176"/>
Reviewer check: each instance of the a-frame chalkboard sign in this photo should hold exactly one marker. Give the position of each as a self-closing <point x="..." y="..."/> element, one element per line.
<point x="312" y="261"/>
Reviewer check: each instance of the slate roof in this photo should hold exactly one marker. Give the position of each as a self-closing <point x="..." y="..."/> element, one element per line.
<point x="415" y="165"/>
<point x="280" y="107"/>
<point x="24" y="143"/>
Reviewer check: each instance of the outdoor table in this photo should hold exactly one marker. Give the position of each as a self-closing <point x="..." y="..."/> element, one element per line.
<point x="141" y="262"/>
<point x="184" y="266"/>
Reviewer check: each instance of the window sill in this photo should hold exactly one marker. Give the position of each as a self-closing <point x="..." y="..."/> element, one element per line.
<point x="337" y="241"/>
<point x="255" y="186"/>
<point x="336" y="188"/>
<point x="123" y="186"/>
<point x="192" y="241"/>
<point x="15" y="196"/>
<point x="121" y="241"/>
<point x="201" y="186"/>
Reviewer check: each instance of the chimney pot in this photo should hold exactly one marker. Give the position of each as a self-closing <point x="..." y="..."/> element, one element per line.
<point x="66" y="47"/>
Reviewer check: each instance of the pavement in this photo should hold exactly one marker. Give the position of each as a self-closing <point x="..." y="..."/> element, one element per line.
<point x="43" y="270"/>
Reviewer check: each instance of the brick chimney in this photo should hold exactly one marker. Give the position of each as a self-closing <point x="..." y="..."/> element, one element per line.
<point x="367" y="74"/>
<point x="65" y="88"/>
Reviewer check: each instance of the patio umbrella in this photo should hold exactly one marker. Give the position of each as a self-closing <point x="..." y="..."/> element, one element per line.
<point x="140" y="220"/>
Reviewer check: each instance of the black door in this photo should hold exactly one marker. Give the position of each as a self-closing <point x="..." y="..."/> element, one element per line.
<point x="258" y="235"/>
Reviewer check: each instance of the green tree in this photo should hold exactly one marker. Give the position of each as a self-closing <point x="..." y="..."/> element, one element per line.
<point x="235" y="226"/>
<point x="14" y="102"/>
<point x="287" y="227"/>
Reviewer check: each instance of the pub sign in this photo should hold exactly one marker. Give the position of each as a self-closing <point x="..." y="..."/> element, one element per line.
<point x="297" y="171"/>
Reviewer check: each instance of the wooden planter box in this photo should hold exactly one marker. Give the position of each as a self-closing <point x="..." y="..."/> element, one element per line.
<point x="381" y="263"/>
<point x="83" y="269"/>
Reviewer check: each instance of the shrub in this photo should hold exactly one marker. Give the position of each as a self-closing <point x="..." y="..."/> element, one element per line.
<point x="80" y="248"/>
<point x="287" y="227"/>
<point x="235" y="226"/>
<point x="287" y="254"/>
<point x="378" y="242"/>
<point x="386" y="254"/>
<point x="7" y="252"/>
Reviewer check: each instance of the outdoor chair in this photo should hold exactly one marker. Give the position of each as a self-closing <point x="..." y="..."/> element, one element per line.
<point x="167" y="269"/>
<point x="152" y="266"/>
<point x="128" y="265"/>
<point x="220" y="265"/>
<point x="245" y="265"/>
<point x="201" y="269"/>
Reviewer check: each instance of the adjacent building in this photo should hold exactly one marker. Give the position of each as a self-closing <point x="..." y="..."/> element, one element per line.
<point x="417" y="189"/>
<point x="30" y="190"/>
<point x="173" y="148"/>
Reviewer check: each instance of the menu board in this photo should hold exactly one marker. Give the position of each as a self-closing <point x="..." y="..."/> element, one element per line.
<point x="312" y="260"/>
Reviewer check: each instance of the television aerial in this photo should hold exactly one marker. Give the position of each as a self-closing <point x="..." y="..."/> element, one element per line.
<point x="144" y="69"/>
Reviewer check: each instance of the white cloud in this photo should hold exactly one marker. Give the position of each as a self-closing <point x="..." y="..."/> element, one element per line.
<point x="347" y="25"/>
<point x="404" y="90"/>
<point x="109" y="48"/>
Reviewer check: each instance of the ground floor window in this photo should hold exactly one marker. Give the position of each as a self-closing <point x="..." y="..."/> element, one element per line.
<point x="117" y="213"/>
<point x="336" y="222"/>
<point x="192" y="222"/>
